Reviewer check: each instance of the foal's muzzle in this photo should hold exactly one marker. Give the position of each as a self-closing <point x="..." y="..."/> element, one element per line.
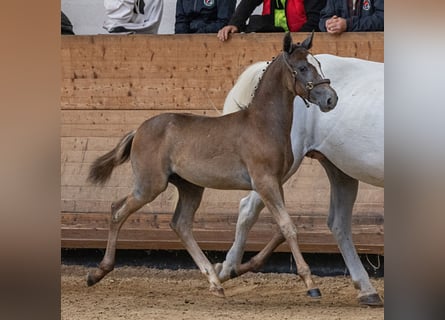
<point x="322" y="94"/>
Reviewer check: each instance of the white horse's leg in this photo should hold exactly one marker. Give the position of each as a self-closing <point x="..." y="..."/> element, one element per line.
<point x="343" y="194"/>
<point x="249" y="210"/>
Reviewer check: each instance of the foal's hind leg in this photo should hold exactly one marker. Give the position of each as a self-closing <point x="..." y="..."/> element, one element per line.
<point x="149" y="184"/>
<point x="190" y="196"/>
<point x="120" y="211"/>
<point x="343" y="194"/>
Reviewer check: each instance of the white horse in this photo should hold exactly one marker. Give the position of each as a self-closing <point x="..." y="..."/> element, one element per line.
<point x="349" y="144"/>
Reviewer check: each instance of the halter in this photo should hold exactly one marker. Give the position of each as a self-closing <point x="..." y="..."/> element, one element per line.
<point x="309" y="85"/>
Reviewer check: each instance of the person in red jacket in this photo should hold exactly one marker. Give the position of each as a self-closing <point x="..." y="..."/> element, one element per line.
<point x="277" y="16"/>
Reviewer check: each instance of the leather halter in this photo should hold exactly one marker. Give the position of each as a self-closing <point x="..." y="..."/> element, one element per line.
<point x="309" y="85"/>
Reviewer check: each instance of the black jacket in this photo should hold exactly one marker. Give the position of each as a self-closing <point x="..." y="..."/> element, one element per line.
<point x="370" y="16"/>
<point x="203" y="16"/>
<point x="246" y="7"/>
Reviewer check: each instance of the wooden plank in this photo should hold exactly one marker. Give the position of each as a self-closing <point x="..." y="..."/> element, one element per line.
<point x="153" y="232"/>
<point x="112" y="123"/>
<point x="302" y="193"/>
<point x="177" y="71"/>
<point x="226" y="221"/>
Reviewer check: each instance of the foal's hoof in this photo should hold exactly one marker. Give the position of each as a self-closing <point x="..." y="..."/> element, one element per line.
<point x="314" y="293"/>
<point x="91" y="280"/>
<point x="217" y="291"/>
<point x="372" y="300"/>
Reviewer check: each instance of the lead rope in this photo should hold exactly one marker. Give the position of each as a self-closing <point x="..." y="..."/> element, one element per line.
<point x="372" y="265"/>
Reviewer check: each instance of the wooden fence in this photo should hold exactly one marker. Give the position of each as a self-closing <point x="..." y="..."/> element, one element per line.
<point x="111" y="83"/>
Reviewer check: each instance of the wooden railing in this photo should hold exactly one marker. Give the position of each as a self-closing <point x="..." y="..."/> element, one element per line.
<point x="110" y="84"/>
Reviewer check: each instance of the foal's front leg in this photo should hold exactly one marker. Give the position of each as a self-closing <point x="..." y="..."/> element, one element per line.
<point x="272" y="194"/>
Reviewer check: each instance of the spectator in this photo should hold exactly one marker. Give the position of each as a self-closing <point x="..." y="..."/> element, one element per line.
<point x="202" y="16"/>
<point x="352" y="15"/>
<point x="133" y="16"/>
<point x="277" y="16"/>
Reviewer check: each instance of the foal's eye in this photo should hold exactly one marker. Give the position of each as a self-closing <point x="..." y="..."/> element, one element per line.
<point x="302" y="69"/>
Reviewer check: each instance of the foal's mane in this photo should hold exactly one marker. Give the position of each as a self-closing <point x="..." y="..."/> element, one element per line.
<point x="240" y="95"/>
<point x="288" y="49"/>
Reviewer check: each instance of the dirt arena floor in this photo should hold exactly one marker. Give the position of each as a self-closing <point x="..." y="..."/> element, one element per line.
<point x="144" y="293"/>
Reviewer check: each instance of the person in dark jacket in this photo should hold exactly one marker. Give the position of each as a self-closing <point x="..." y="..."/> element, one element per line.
<point x="352" y="15"/>
<point x="203" y="16"/>
<point x="277" y="16"/>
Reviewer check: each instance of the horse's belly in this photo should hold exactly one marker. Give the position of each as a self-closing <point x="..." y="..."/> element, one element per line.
<point x="215" y="176"/>
<point x="361" y="159"/>
<point x="352" y="137"/>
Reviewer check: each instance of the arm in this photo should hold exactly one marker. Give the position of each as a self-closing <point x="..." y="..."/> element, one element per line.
<point x="326" y="13"/>
<point x="373" y="22"/>
<point x="243" y="12"/>
<point x="238" y="21"/>
<point x="182" y="22"/>
<point x="313" y="9"/>
<point x="225" y="9"/>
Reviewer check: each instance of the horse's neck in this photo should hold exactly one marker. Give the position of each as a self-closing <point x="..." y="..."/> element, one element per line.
<point x="272" y="102"/>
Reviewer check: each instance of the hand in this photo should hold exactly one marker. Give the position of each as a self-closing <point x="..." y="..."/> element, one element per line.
<point x="223" y="34"/>
<point x="336" y="25"/>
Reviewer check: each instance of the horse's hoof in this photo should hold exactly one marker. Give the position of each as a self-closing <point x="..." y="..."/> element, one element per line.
<point x="218" y="267"/>
<point x="91" y="280"/>
<point x="218" y="291"/>
<point x="222" y="277"/>
<point x="372" y="300"/>
<point x="314" y="293"/>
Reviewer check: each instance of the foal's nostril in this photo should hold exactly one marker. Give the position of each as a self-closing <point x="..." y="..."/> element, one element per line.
<point x="329" y="101"/>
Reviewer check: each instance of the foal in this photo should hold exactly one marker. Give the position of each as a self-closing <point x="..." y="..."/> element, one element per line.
<point x="247" y="150"/>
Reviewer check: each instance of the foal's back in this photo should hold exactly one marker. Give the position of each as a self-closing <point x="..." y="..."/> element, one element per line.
<point x="207" y="151"/>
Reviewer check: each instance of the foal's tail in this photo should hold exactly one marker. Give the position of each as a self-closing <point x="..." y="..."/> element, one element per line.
<point x="102" y="167"/>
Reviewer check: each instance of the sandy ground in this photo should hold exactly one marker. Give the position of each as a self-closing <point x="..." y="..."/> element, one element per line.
<point x="143" y="293"/>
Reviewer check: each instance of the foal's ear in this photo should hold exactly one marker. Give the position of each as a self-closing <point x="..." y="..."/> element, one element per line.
<point x="287" y="43"/>
<point x="307" y="43"/>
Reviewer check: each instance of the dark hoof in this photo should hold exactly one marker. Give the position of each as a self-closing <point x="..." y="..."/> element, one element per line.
<point x="372" y="300"/>
<point x="314" y="293"/>
<point x="233" y="274"/>
<point x="91" y="280"/>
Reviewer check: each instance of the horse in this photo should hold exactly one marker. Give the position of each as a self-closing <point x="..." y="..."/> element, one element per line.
<point x="194" y="152"/>
<point x="349" y="144"/>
